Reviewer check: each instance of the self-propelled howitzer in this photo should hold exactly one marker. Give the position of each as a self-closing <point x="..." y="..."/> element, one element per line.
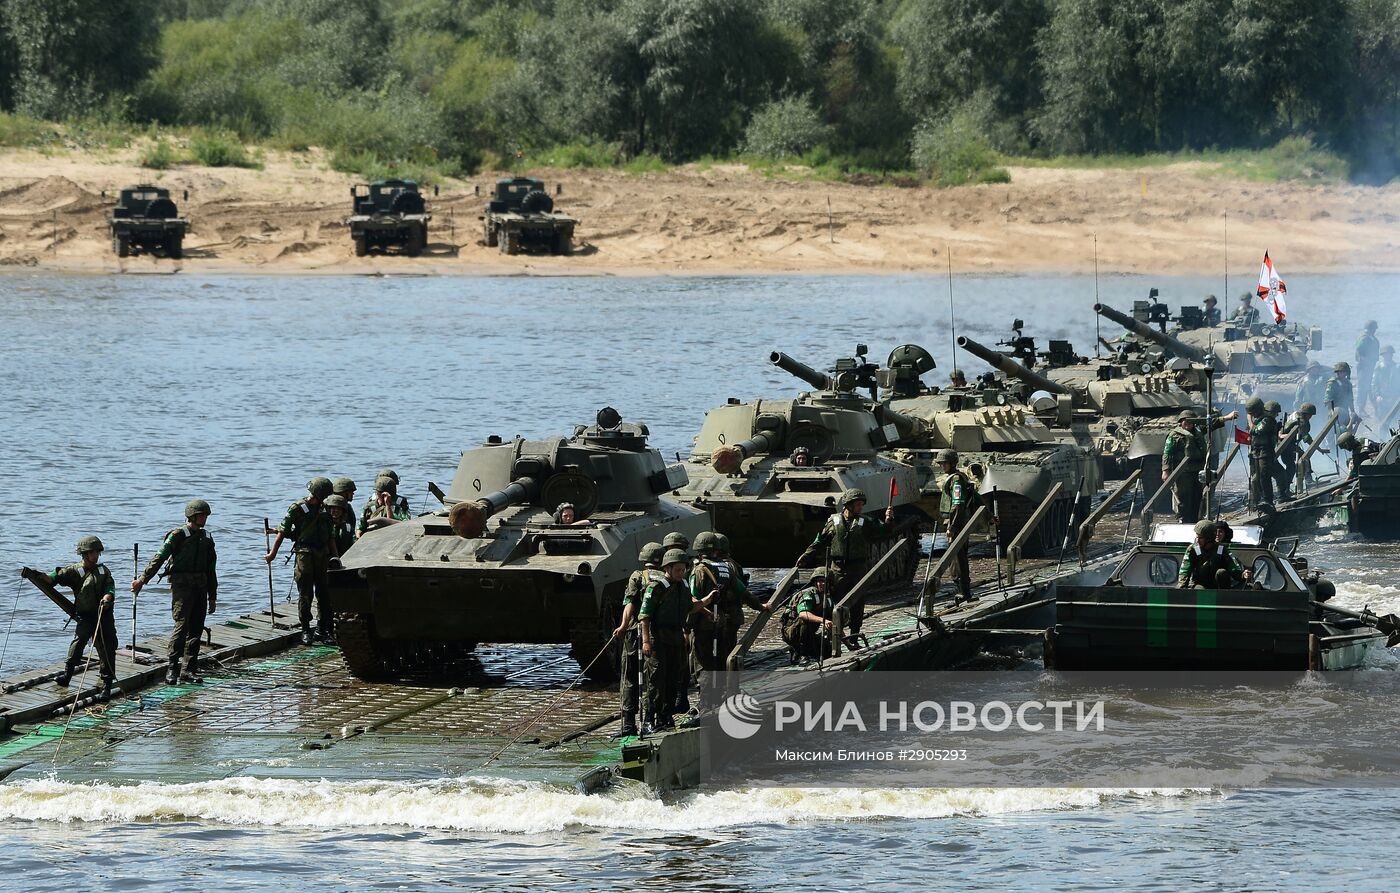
<point x="494" y="565"/>
<point x="770" y="472"/>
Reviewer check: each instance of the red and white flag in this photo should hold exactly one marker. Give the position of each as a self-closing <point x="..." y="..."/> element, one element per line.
<point x="1271" y="289"/>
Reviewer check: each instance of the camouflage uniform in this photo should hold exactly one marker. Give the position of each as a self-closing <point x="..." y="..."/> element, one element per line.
<point x="632" y="638"/>
<point x="1287" y="468"/>
<point x="1193" y="448"/>
<point x="398" y="511"/>
<point x="1368" y="351"/>
<point x="310" y="529"/>
<point x="88" y="589"/>
<point x="1385" y="384"/>
<point x="809" y="641"/>
<point x="848" y="546"/>
<point x="1263" y="441"/>
<point x="666" y="606"/>
<point x="1309" y="390"/>
<point x="1338" y="397"/>
<point x="193" y="582"/>
<point x="1214" y="567"/>
<point x="955" y="505"/>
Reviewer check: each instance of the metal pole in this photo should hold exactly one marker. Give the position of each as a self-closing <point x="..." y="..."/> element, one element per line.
<point x="996" y="536"/>
<point x="271" y="599"/>
<point x="135" y="572"/>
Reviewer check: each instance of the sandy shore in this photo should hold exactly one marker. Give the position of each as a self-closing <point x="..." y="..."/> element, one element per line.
<point x="290" y="218"/>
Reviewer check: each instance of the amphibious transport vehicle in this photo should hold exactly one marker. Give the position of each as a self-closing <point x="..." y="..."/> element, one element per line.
<point x="494" y="565"/>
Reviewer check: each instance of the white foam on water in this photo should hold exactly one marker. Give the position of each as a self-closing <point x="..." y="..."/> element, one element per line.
<point x="492" y="805"/>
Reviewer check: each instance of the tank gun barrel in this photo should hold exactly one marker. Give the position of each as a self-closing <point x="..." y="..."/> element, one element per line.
<point x="1174" y="346"/>
<point x="727" y="459"/>
<point x="468" y="518"/>
<point x="800" y="369"/>
<point x="1010" y="366"/>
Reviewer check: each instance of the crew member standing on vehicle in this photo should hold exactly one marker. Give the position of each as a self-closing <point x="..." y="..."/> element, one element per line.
<point x="1368" y="351"/>
<point x="957" y="495"/>
<point x="194" y="588"/>
<point x="94" y="592"/>
<point x="845" y="540"/>
<point x="1263" y="441"/>
<point x="1188" y="443"/>
<point x="1339" y="397"/>
<point x="310" y="529"/>
<point x="628" y="633"/>
<point x="666" y="606"/>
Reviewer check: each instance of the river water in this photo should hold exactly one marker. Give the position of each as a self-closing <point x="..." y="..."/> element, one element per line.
<point x="127" y="396"/>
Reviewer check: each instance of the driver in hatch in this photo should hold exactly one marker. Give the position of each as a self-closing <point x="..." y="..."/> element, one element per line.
<point x="1208" y="562"/>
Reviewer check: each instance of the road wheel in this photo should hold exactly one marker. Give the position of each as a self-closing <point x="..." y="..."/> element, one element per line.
<point x="510" y="243"/>
<point x="175" y="247"/>
<point x="361" y="246"/>
<point x="417" y="238"/>
<point x="123" y="246"/>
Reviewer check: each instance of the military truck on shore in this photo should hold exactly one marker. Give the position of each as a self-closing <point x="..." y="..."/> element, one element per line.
<point x="521" y="217"/>
<point x="145" y="219"/>
<point x="388" y="214"/>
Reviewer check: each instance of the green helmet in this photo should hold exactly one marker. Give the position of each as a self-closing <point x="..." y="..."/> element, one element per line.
<point x="676" y="540"/>
<point x="196" y="507"/>
<point x="706" y="542"/>
<point x="1307" y="409"/>
<point x="946" y="455"/>
<point x="651" y="553"/>
<point x="1186" y="415"/>
<point x="1205" y="527"/>
<point x="1255" y="406"/>
<point x="1342" y="367"/>
<point x="89" y="544"/>
<point x="344" y="486"/>
<point x="384" y="483"/>
<point x="1347" y="441"/>
<point x="818" y="574"/>
<point x="853" y="495"/>
<point x="319" y="487"/>
<point x="1273" y="407"/>
<point x="388" y="473"/>
<point x="336" y="501"/>
<point x="722" y="543"/>
<point x="674" y="556"/>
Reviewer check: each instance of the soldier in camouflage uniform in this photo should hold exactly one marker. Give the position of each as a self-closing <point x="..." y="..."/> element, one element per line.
<point x="718" y="585"/>
<point x="665" y="609"/>
<point x="94" y="592"/>
<point x="387" y="503"/>
<point x="1189" y="443"/>
<point x="957" y="496"/>
<point x="628" y="633"/>
<point x="400" y="502"/>
<point x="1368" y="351"/>
<point x="308" y="525"/>
<point x="194" y="588"/>
<point x="1263" y="441"/>
<point x="807" y="628"/>
<point x="345" y="487"/>
<point x="1385" y="382"/>
<point x="1338" y="397"/>
<point x="844" y="542"/>
<point x="1208" y="564"/>
<point x="1360" y="448"/>
<point x="1210" y="310"/>
<point x="1311" y="388"/>
<point x="342" y="522"/>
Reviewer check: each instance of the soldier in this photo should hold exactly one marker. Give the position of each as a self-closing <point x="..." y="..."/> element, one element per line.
<point x="401" y="509"/>
<point x="1187" y="443"/>
<point x="1293" y="450"/>
<point x="957" y="502"/>
<point x="956" y="379"/>
<point x="1385" y="382"/>
<point x="676" y="540"/>
<point x="94" y="592"/>
<point x="566" y="515"/>
<point x="845" y="541"/>
<point x="194" y="588"/>
<point x="627" y="633"/>
<point x="386" y="504"/>
<point x="1310" y="389"/>
<point x="801" y="457"/>
<point x="1360" y="448"/>
<point x="1208" y="564"/>
<point x="1212" y="312"/>
<point x="1368" y="350"/>
<point x="807" y="624"/>
<point x="1263" y="441"/>
<point x="311" y="531"/>
<point x="714" y="583"/>
<point x="345" y="487"/>
<point x="666" y="606"/>
<point x="342" y="522"/>
<point x="1338" y="397"/>
<point x="1245" y="315"/>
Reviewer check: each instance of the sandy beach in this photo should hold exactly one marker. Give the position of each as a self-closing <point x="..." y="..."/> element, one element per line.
<point x="718" y="219"/>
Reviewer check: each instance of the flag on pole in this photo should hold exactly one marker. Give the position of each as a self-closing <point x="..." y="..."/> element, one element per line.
<point x="894" y="489"/>
<point x="1271" y="289"/>
<point x="1241" y="436"/>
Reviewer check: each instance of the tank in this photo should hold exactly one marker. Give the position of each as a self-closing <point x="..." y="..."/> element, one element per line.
<point x="494" y="566"/>
<point x="1252" y="356"/>
<point x="742" y="471"/>
<point x="1005" y="447"/>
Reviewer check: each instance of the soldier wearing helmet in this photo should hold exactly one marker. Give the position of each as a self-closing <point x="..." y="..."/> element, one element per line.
<point x="1263" y="441"/>
<point x="1245" y="314"/>
<point x="1360" y="448"/>
<point x="309" y="526"/>
<point x="190" y="563"/>
<point x="807" y="622"/>
<point x="958" y="501"/>
<point x="957" y="379"/>
<point x="94" y="592"/>
<point x="1188" y="443"/>
<point x="386" y="506"/>
<point x="844" y="547"/>
<point x="1368" y="351"/>
<point x="1211" y="312"/>
<point x="665" y="609"/>
<point x="1385" y="383"/>
<point x="1292" y="437"/>
<point x="1311" y="388"/>
<point x="1209" y="564"/>
<point x="1338" y="397"/>
<point x="628" y="633"/>
<point x="342" y="522"/>
<point x="718" y="586"/>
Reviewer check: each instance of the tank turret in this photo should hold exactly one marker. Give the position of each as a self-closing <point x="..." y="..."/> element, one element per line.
<point x="1010" y="367"/>
<point x="1175" y="346"/>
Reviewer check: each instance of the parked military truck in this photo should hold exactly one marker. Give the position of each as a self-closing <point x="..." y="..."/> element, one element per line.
<point x="145" y="219"/>
<point x="495" y="566"/>
<point x="388" y="214"/>
<point x="770" y="472"/>
<point x="521" y="217"/>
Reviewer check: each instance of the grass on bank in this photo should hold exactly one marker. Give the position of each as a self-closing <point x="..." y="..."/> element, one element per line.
<point x="1292" y="158"/>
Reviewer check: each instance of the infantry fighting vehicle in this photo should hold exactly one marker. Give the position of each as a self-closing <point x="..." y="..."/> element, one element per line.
<point x="771" y="505"/>
<point x="1252" y="357"/>
<point x="389" y="214"/>
<point x="494" y="566"/>
<point x="145" y="219"/>
<point x="1374" y="503"/>
<point x="1140" y="620"/>
<point x="520" y="216"/>
<point x="1123" y="409"/>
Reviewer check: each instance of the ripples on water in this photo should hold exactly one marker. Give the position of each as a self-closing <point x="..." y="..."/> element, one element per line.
<point x="129" y="395"/>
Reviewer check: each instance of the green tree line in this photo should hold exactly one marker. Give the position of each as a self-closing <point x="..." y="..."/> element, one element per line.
<point x="881" y="84"/>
